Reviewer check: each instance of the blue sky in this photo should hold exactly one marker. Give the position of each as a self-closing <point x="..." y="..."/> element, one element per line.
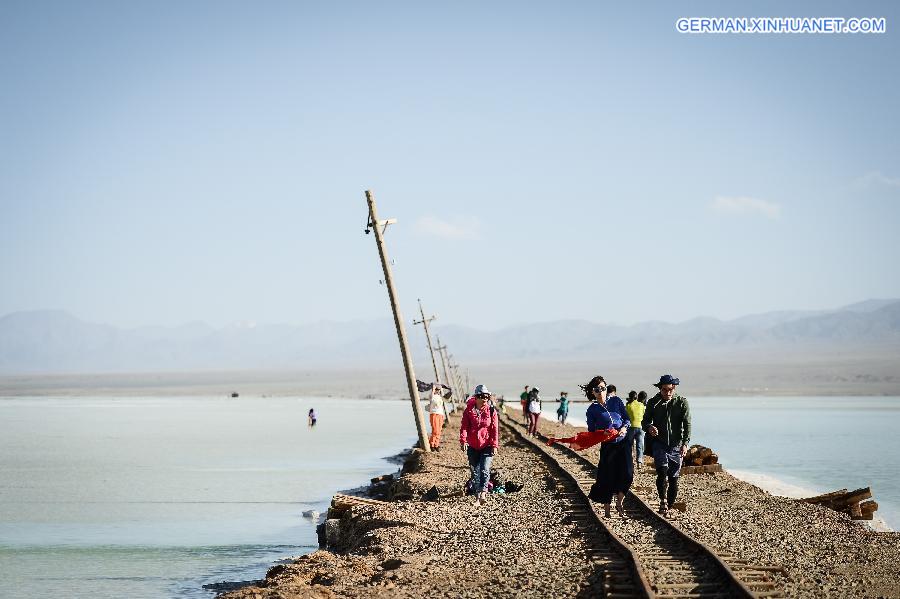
<point x="208" y="161"/>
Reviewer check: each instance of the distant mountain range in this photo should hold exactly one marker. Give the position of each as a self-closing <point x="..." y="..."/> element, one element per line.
<point x="57" y="342"/>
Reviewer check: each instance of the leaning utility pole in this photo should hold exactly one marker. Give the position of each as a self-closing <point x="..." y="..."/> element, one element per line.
<point x="379" y="227"/>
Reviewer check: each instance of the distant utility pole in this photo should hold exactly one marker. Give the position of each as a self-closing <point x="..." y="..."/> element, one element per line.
<point x="445" y="362"/>
<point x="440" y="350"/>
<point x="437" y="378"/>
<point x="454" y="368"/>
<point x="424" y="322"/>
<point x="379" y="227"/>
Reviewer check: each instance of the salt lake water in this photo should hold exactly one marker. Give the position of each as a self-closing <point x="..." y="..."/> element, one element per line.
<point x="150" y="497"/>
<point x="155" y="497"/>
<point x="820" y="444"/>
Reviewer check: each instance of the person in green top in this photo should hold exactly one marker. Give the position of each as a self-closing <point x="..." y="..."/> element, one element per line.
<point x="635" y="410"/>
<point x="562" y="412"/>
<point x="667" y="421"/>
<point x="523" y="399"/>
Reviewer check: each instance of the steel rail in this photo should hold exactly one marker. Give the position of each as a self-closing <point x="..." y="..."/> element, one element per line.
<point x="730" y="584"/>
<point x="643" y="586"/>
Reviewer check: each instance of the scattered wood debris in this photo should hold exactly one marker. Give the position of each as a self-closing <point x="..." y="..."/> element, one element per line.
<point x="701" y="460"/>
<point x="698" y="460"/>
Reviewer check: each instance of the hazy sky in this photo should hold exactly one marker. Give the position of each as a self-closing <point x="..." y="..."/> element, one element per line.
<point x="177" y="161"/>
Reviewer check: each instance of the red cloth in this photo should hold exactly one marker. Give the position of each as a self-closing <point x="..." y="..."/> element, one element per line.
<point x="582" y="441"/>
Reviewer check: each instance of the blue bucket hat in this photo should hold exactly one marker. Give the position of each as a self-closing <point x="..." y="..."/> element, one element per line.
<point x="667" y="379"/>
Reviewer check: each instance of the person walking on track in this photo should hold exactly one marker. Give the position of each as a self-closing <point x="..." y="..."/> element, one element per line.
<point x="436" y="416"/>
<point x="534" y="411"/>
<point x="636" y="411"/>
<point x="667" y="422"/>
<point x="523" y="399"/>
<point x="479" y="437"/>
<point x="615" y="471"/>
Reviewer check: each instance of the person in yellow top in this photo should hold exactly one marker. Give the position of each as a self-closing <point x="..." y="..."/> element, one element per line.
<point x="635" y="409"/>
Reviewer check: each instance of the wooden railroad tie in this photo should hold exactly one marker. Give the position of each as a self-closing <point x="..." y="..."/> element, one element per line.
<point x="858" y="504"/>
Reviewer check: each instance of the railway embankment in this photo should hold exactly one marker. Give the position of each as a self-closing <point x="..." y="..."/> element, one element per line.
<point x="430" y="540"/>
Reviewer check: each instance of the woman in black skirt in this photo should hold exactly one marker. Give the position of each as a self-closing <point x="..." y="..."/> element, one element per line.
<point x="615" y="471"/>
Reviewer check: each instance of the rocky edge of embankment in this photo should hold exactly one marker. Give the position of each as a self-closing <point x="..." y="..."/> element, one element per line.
<point x="521" y="544"/>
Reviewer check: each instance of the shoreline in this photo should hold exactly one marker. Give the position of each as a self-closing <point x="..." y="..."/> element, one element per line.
<point x="386" y="550"/>
<point x="152" y="394"/>
<point x="780" y="488"/>
<point x="372" y="489"/>
<point x="723" y="376"/>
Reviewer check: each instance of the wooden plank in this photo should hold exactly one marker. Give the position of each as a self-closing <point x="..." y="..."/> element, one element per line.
<point x="844" y="502"/>
<point x="825" y="496"/>
<point x="355" y="499"/>
<point x="710" y="469"/>
<point x="341" y="503"/>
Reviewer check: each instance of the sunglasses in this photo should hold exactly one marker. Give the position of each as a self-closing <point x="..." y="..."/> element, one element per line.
<point x="599" y="389"/>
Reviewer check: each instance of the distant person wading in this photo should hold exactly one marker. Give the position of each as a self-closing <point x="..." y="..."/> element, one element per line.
<point x="311" y="418"/>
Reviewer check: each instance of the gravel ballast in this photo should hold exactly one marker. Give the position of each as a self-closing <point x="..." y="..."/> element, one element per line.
<point x="520" y="544"/>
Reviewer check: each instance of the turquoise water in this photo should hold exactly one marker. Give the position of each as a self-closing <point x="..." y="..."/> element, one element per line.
<point x="149" y="497"/>
<point x="802" y="446"/>
<point x="818" y="443"/>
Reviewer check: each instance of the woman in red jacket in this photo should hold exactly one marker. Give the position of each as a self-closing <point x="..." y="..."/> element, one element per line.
<point x="479" y="437"/>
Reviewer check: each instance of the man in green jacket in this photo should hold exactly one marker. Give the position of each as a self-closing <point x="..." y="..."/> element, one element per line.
<point x="667" y="421"/>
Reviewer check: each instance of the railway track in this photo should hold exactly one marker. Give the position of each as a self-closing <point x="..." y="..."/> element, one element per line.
<point x="644" y="554"/>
